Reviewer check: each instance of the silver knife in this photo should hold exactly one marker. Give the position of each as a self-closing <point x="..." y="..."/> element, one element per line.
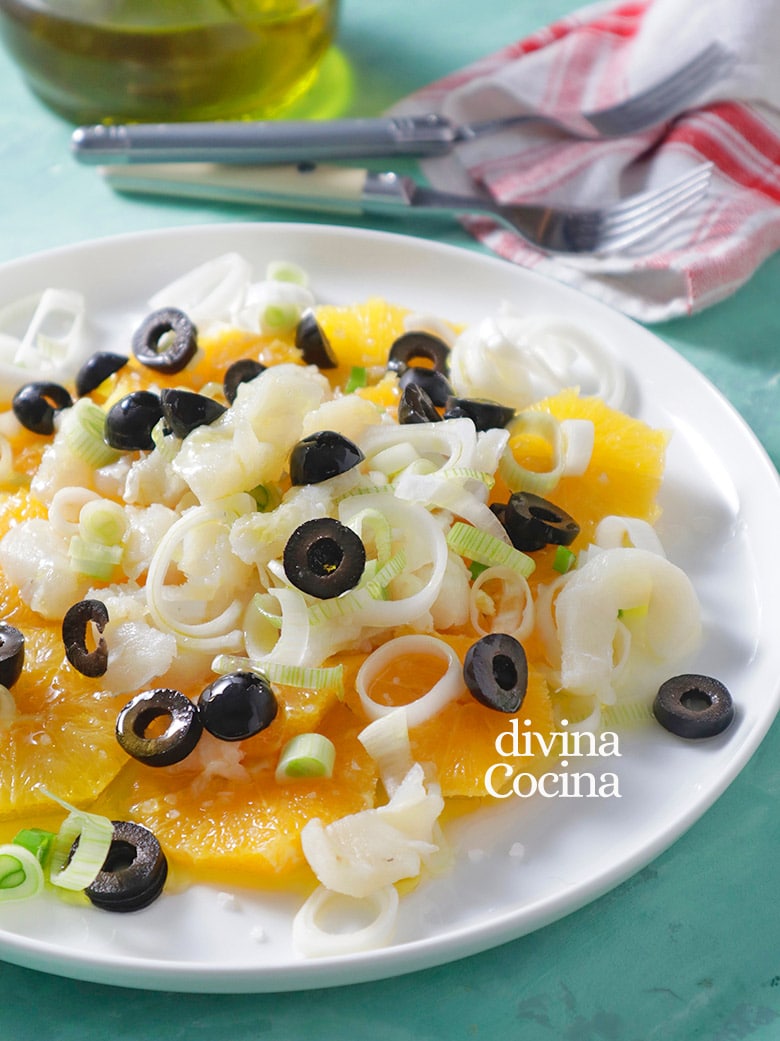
<point x="339" y="189"/>
<point x="274" y="141"/>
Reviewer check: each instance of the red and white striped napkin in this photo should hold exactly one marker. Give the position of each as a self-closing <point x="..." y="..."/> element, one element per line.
<point x="594" y="58"/>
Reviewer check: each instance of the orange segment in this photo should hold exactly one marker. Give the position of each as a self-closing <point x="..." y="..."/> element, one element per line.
<point x="363" y="334"/>
<point x="62" y="736"/>
<point x="245" y="830"/>
<point x="460" y="741"/>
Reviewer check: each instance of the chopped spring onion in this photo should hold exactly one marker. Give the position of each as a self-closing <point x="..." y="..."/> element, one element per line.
<point x="478" y="545"/>
<point x="267" y="496"/>
<point x="306" y="755"/>
<point x="564" y="559"/>
<point x="312" y="939"/>
<point x="304" y="677"/>
<point x="280" y="317"/>
<point x="519" y="478"/>
<point x="83" y="432"/>
<point x="355" y="599"/>
<point x="445" y="690"/>
<point x="286" y="271"/>
<point x="76" y="868"/>
<point x="37" y="841"/>
<point x="357" y="378"/>
<point x="625" y="713"/>
<point x="571" y="444"/>
<point x="93" y="558"/>
<point x="21" y="875"/>
<point x="102" y="521"/>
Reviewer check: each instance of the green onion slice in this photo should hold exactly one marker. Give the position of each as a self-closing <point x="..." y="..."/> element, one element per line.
<point x="357" y="378"/>
<point x="302" y="676"/>
<point x="93" y="558"/>
<point x="306" y="755"/>
<point x="75" y="869"/>
<point x="21" y="875"/>
<point x="517" y="477"/>
<point x="37" y="841"/>
<point x="484" y="548"/>
<point x="83" y="434"/>
<point x="564" y="560"/>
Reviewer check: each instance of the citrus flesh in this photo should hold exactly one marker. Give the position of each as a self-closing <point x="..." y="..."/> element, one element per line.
<point x="223" y="816"/>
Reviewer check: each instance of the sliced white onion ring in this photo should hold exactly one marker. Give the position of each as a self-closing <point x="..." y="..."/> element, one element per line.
<point x="445" y="690"/>
<point x="614" y="531"/>
<point x="518" y="616"/>
<point x="587" y="616"/>
<point x="313" y="940"/>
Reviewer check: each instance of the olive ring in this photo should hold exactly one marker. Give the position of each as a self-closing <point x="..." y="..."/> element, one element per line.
<point x="495" y="670"/>
<point x="181" y="733"/>
<point x="74" y="636"/>
<point x="133" y="873"/>
<point x="693" y="706"/>
<point x="150" y="336"/>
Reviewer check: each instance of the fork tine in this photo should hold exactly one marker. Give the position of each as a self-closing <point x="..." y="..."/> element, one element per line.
<point x="664" y="99"/>
<point x="649" y="203"/>
<point x="619" y="236"/>
<point x="701" y="172"/>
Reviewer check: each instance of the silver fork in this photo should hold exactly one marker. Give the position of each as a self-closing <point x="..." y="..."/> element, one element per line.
<point x="653" y="106"/>
<point x="342" y="189"/>
<point x="280" y="141"/>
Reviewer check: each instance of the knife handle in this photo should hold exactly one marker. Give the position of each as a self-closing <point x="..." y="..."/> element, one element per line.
<point x="338" y="189"/>
<point x="263" y="142"/>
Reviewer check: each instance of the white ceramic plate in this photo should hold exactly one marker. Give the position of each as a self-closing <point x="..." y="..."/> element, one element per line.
<point x="721" y="504"/>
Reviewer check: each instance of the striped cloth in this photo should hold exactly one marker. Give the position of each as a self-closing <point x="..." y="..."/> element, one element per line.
<point x="594" y="58"/>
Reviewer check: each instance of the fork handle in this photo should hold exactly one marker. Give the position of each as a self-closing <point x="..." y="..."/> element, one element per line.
<point x="337" y="189"/>
<point x="264" y="142"/>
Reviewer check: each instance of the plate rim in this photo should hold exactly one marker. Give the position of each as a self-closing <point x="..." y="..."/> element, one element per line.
<point x="427" y="951"/>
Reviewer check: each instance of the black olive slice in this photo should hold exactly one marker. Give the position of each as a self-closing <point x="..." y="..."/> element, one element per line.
<point x="36" y="404"/>
<point x="74" y="636"/>
<point x="313" y="343"/>
<point x="693" y="706"/>
<point x="415" y="345"/>
<point x="495" y="671"/>
<point x="533" y="522"/>
<point x="130" y="422"/>
<point x="415" y="406"/>
<point x="435" y="384"/>
<point x="321" y="456"/>
<point x="181" y="734"/>
<point x="237" y="705"/>
<point x="324" y="558"/>
<point x="484" y="414"/>
<point x="166" y="340"/>
<point x="241" y="371"/>
<point x="98" y="367"/>
<point x="184" y="410"/>
<point x="133" y="873"/>
<point x="11" y="654"/>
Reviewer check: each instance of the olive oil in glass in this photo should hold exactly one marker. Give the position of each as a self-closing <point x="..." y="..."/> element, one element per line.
<point x="155" y="60"/>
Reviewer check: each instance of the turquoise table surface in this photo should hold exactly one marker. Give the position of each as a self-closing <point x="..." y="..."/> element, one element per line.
<point x="689" y="948"/>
